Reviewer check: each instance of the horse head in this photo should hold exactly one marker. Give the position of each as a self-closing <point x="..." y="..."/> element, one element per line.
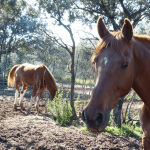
<point x="114" y="74"/>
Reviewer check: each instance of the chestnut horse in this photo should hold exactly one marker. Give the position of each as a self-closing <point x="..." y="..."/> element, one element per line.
<point x="122" y="62"/>
<point x="36" y="76"/>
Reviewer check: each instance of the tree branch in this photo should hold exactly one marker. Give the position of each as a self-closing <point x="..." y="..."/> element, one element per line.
<point x="124" y="9"/>
<point x="57" y="40"/>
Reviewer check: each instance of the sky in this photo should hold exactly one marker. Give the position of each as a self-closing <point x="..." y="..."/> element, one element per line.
<point x="76" y="27"/>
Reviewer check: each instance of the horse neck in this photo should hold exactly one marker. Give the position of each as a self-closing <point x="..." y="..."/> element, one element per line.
<point x="51" y="84"/>
<point x="141" y="53"/>
<point x="53" y="92"/>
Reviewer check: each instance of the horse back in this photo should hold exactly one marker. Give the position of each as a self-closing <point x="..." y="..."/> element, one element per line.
<point x="31" y="75"/>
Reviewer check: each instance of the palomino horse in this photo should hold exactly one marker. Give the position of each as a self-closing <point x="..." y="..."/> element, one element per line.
<point x="36" y="76"/>
<point x="122" y="62"/>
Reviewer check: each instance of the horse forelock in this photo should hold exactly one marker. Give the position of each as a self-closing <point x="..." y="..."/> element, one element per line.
<point x="114" y="40"/>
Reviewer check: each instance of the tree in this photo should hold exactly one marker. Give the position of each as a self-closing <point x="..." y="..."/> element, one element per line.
<point x="113" y="11"/>
<point x="16" y="34"/>
<point x="10" y="10"/>
<point x="50" y="54"/>
<point x="14" y="26"/>
<point x="59" y="10"/>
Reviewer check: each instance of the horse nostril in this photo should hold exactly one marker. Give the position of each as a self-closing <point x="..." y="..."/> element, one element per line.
<point x="83" y="117"/>
<point x="99" y="119"/>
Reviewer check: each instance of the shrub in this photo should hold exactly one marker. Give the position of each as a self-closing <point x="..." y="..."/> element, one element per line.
<point x="61" y="109"/>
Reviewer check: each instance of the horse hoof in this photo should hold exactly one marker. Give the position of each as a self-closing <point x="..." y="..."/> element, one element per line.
<point x="28" y="111"/>
<point x="22" y="108"/>
<point x="15" y="107"/>
<point x="38" y="112"/>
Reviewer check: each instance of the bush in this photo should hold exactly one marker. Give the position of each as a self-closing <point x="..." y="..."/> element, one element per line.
<point x="61" y="109"/>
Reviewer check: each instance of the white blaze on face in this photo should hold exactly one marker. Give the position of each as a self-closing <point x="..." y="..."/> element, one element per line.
<point x="105" y="60"/>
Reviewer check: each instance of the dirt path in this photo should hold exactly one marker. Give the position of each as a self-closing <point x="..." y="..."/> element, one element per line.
<point x="19" y="131"/>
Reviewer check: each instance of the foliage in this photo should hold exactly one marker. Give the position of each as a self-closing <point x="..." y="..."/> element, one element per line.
<point x="130" y="96"/>
<point x="125" y="130"/>
<point x="60" y="109"/>
<point x="84" y="128"/>
<point x="87" y="82"/>
<point x="10" y="10"/>
<point x="113" y="11"/>
<point x="59" y="8"/>
<point x="77" y="102"/>
<point x="15" y="34"/>
<point x="66" y="79"/>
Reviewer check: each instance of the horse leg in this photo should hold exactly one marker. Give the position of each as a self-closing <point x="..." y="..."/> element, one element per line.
<point x="32" y="98"/>
<point x="16" y="96"/>
<point x="145" y="123"/>
<point x="24" y="88"/>
<point x="40" y="92"/>
<point x="18" y="83"/>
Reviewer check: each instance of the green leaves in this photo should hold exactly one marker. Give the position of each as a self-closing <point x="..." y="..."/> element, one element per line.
<point x="113" y="11"/>
<point x="33" y="13"/>
<point x="10" y="10"/>
<point x="125" y="130"/>
<point x="61" y="109"/>
<point x="59" y="9"/>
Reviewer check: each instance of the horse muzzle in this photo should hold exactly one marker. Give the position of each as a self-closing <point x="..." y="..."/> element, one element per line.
<point x="98" y="122"/>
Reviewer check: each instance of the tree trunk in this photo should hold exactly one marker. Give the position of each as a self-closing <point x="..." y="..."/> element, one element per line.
<point x="117" y="112"/>
<point x="72" y="88"/>
<point x="0" y="63"/>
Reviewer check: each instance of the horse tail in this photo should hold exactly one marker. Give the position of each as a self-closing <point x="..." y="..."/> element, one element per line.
<point x="11" y="76"/>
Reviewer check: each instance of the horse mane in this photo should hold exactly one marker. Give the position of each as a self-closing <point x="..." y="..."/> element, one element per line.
<point x="117" y="42"/>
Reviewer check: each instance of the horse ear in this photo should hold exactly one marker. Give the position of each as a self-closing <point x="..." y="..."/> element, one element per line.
<point x="127" y="30"/>
<point x="101" y="28"/>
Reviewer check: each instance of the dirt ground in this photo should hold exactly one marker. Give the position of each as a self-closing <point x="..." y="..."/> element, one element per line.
<point x="19" y="131"/>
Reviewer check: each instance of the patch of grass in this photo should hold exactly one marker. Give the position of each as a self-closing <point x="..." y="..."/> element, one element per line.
<point x="66" y="128"/>
<point x="125" y="130"/>
<point x="84" y="128"/>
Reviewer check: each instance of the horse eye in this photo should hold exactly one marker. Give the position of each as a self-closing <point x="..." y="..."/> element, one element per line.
<point x="125" y="65"/>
